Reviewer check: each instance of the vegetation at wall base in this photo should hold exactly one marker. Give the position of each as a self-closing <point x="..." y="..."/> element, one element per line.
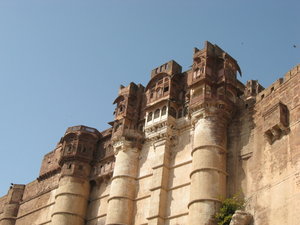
<point x="227" y="209"/>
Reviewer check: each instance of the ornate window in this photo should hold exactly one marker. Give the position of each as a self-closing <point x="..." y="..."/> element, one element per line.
<point x="68" y="148"/>
<point x="230" y="96"/>
<point x="164" y="111"/>
<point x="158" y="92"/>
<point x="149" y="117"/>
<point x="121" y="108"/>
<point x="156" y="113"/>
<point x="166" y="89"/>
<point x="196" y="73"/>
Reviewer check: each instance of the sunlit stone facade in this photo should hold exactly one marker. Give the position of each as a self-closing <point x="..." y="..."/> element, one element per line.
<point x="175" y="149"/>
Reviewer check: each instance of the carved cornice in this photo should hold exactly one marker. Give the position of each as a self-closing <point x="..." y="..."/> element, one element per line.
<point x="214" y="110"/>
<point x="164" y="130"/>
<point x="124" y="145"/>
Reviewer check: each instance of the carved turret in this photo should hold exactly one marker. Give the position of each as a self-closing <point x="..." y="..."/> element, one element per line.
<point x="127" y="138"/>
<point x="164" y="99"/>
<point x="212" y="80"/>
<point x="78" y="147"/>
<point x="128" y="122"/>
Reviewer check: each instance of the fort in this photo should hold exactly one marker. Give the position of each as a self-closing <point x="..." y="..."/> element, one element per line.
<point x="175" y="149"/>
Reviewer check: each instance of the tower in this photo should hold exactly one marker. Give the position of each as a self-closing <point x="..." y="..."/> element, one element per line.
<point x="164" y="97"/>
<point x="12" y="204"/>
<point x="214" y="90"/>
<point x="127" y="138"/>
<point x="78" y="146"/>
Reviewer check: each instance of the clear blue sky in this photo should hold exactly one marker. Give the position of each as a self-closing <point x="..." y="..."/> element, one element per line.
<point x="61" y="62"/>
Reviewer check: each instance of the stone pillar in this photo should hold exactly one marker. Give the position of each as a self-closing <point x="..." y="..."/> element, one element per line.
<point x="123" y="186"/>
<point x="159" y="184"/>
<point x="208" y="175"/>
<point x="71" y="200"/>
<point x="12" y="204"/>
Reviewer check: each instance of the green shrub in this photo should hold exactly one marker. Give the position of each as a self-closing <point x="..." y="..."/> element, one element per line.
<point x="227" y="209"/>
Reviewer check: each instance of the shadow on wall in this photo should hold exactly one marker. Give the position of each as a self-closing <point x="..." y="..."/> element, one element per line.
<point x="240" y="133"/>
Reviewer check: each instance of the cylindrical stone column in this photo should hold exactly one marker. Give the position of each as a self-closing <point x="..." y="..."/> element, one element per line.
<point x="9" y="214"/>
<point x="123" y="186"/>
<point x="71" y="201"/>
<point x="208" y="175"/>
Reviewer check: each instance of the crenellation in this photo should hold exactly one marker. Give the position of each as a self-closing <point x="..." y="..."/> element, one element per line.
<point x="291" y="73"/>
<point x="174" y="150"/>
<point x="169" y="68"/>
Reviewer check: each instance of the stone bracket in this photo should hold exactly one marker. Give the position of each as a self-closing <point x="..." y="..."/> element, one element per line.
<point x="276" y="122"/>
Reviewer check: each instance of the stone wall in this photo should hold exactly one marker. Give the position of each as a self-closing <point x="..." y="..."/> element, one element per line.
<point x="38" y="201"/>
<point x="267" y="173"/>
<point x="263" y="162"/>
<point x="2" y="204"/>
<point x="97" y="208"/>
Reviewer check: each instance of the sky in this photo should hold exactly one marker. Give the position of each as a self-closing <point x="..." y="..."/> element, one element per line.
<point x="62" y="61"/>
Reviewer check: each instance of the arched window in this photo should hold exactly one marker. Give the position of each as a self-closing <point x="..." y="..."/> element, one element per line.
<point x="158" y="92"/>
<point x="164" y="111"/>
<point x="149" y="117"/>
<point x="166" y="88"/>
<point x="196" y="73"/>
<point x="121" y="108"/>
<point x="230" y="96"/>
<point x="69" y="148"/>
<point x="156" y="113"/>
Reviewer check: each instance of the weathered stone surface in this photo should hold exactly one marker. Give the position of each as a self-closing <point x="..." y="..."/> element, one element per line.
<point x="241" y="218"/>
<point x="174" y="149"/>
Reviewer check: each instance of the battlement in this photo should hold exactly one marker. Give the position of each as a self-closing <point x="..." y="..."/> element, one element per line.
<point x="168" y="145"/>
<point x="169" y="68"/>
<point x="278" y="83"/>
<point x="292" y="73"/>
<point x="82" y="128"/>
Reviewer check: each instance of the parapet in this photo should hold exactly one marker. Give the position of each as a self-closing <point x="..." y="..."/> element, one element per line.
<point x="169" y="68"/>
<point x="50" y="164"/>
<point x="252" y="89"/>
<point x="292" y="73"/>
<point x="82" y="128"/>
<point x="278" y="83"/>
